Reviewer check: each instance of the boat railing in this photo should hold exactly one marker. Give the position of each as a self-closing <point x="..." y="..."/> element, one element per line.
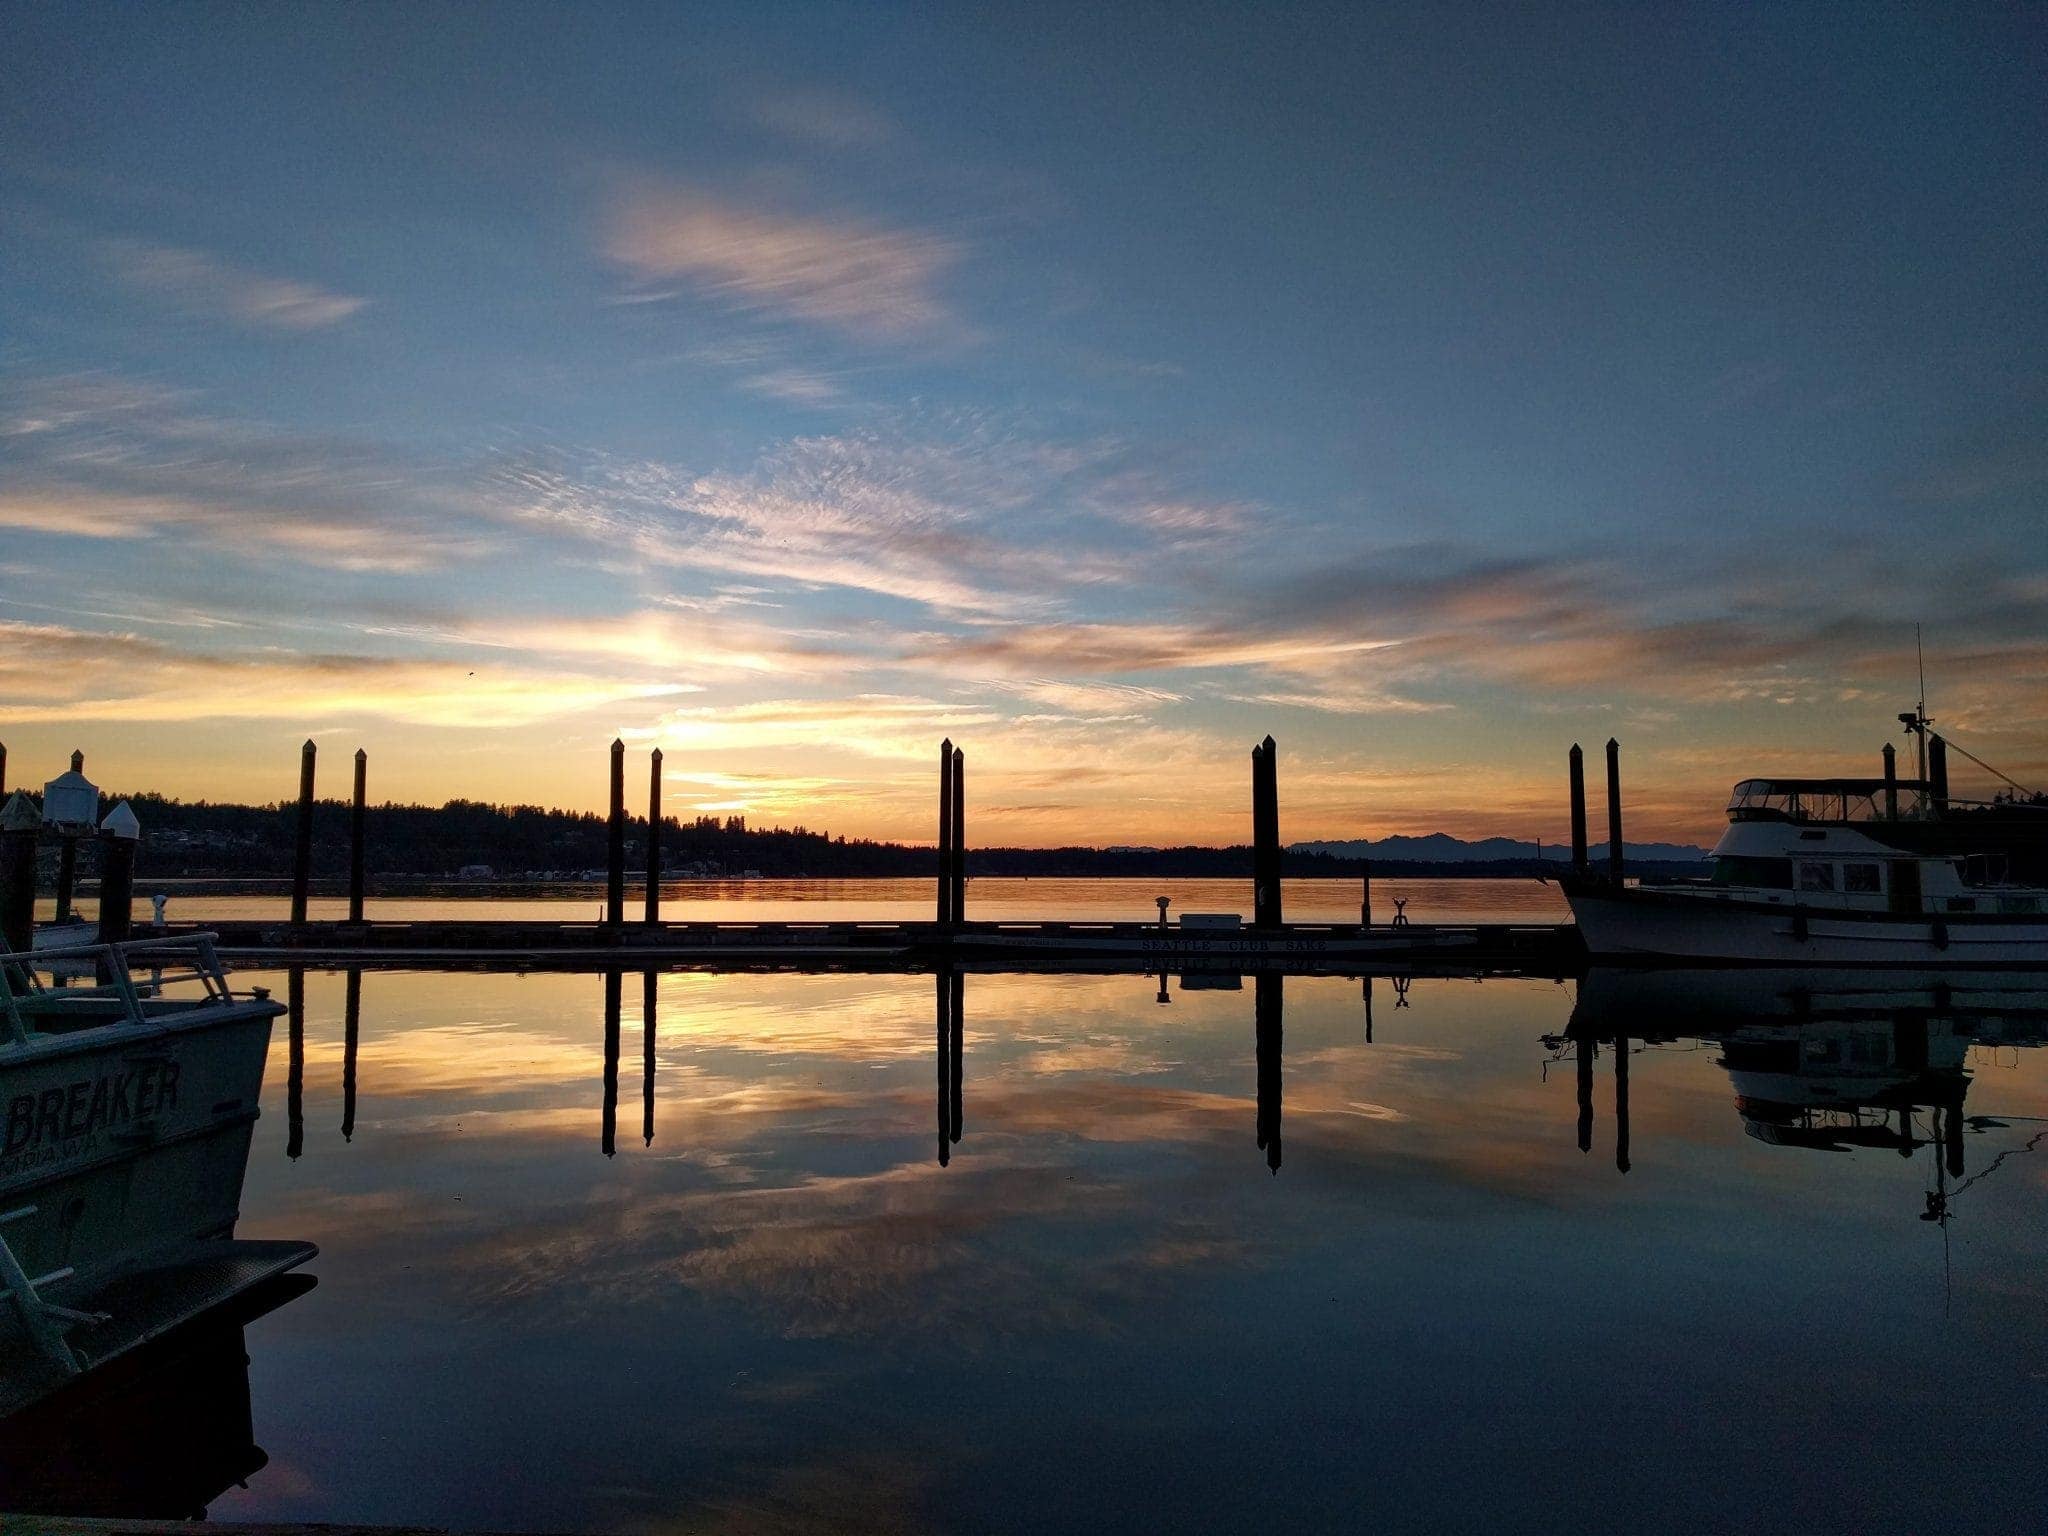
<point x="176" y="960"/>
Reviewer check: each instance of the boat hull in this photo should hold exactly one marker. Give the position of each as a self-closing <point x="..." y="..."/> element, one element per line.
<point x="1647" y="925"/>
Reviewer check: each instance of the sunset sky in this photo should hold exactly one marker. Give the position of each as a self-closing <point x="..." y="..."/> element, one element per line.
<point x="791" y="387"/>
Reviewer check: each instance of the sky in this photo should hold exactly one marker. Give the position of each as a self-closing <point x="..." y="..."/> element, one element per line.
<point x="790" y="387"/>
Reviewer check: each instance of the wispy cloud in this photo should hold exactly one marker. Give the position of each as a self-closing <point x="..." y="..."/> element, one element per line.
<point x="829" y="119"/>
<point x="858" y="277"/>
<point x="207" y="286"/>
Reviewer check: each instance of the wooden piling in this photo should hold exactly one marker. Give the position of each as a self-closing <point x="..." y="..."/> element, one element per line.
<point x="946" y="832"/>
<point x="1937" y="773"/>
<point x="1578" y="770"/>
<point x="67" y="857"/>
<point x="351" y="1033"/>
<point x="957" y="868"/>
<point x="19" y="827"/>
<point x="302" y="843"/>
<point x="1266" y="835"/>
<point x="1614" y="851"/>
<point x="1365" y="894"/>
<point x="117" y="875"/>
<point x="1891" y="783"/>
<point x="3" y="770"/>
<point x="654" y="837"/>
<point x="615" y="872"/>
<point x="356" y="814"/>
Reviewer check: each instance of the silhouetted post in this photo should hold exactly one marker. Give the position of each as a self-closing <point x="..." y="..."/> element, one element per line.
<point x="1614" y="855"/>
<point x="351" y="1035"/>
<point x="1937" y="773"/>
<point x="3" y="768"/>
<point x="1891" y="783"/>
<point x="302" y="843"/>
<point x="615" y="872"/>
<point x="1365" y="895"/>
<point x="295" y="1073"/>
<point x="1585" y="1066"/>
<point x="67" y="858"/>
<point x="956" y="1023"/>
<point x="1266" y="835"/>
<point x="654" y="838"/>
<point x="942" y="1007"/>
<point x="1578" y="763"/>
<point x="647" y="1000"/>
<point x="946" y="832"/>
<point x="609" y="1138"/>
<point x="20" y="823"/>
<point x="356" y="813"/>
<point x="120" y="833"/>
<point x="958" y="855"/>
<point x="1268" y="1006"/>
<point x="1621" y="1101"/>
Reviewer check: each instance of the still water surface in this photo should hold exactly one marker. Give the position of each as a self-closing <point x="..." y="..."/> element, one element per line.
<point x="1213" y="1263"/>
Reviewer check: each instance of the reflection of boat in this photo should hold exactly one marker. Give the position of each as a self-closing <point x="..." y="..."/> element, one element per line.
<point x="126" y="1110"/>
<point x="1883" y="871"/>
<point x="158" y="1435"/>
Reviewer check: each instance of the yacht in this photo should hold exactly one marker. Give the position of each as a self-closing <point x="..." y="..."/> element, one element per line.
<point x="126" y="1110"/>
<point x="1845" y="871"/>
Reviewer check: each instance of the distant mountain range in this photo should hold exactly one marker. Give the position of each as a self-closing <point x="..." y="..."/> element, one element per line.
<point x="1440" y="848"/>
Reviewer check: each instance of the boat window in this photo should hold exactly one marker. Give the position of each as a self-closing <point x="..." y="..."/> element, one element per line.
<point x="1738" y="869"/>
<point x="1861" y="877"/>
<point x="1816" y="877"/>
<point x="2019" y="903"/>
<point x="1962" y="903"/>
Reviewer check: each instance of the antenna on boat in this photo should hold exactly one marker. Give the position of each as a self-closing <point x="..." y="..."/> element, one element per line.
<point x="1917" y="722"/>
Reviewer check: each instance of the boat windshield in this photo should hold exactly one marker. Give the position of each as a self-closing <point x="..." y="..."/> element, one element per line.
<point x="1824" y="799"/>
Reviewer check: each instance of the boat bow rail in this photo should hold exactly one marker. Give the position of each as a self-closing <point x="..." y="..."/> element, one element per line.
<point x="30" y="1003"/>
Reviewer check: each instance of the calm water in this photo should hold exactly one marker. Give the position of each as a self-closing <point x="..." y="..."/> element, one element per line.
<point x="803" y="1305"/>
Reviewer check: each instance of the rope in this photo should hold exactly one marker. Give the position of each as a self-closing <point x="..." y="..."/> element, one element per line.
<point x="1994" y="772"/>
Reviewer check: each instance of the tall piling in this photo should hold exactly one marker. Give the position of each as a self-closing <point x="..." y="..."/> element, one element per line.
<point x="1615" y="864"/>
<point x="120" y="834"/>
<point x="1891" y="783"/>
<point x="615" y="869"/>
<point x="946" y="832"/>
<point x="654" y="837"/>
<point x="957" y="868"/>
<point x="3" y="770"/>
<point x="356" y="813"/>
<point x="1937" y="773"/>
<point x="351" y="1037"/>
<point x="302" y="841"/>
<point x="1266" y="835"/>
<point x="1578" y="769"/>
<point x="20" y="824"/>
<point x="67" y="857"/>
<point x="1365" y="894"/>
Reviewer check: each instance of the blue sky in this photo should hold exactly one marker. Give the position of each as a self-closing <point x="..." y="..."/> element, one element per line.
<point x="792" y="386"/>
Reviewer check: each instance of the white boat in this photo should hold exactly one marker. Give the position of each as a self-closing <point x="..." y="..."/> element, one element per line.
<point x="1838" y="871"/>
<point x="126" y="1109"/>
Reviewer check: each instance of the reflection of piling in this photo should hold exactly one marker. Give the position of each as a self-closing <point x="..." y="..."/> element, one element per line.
<point x="356" y="813"/>
<point x="1952" y="1135"/>
<point x="295" y="1074"/>
<point x="1621" y="1102"/>
<point x="1268" y="1005"/>
<point x="1578" y="769"/>
<point x="1614" y="853"/>
<point x="1368" y="1009"/>
<point x="351" y="1035"/>
<point x="946" y="913"/>
<point x="19" y="826"/>
<point x="647" y="1000"/>
<point x="615" y="863"/>
<point x="654" y="838"/>
<point x="958" y="1051"/>
<point x="1266" y="835"/>
<point x="302" y="842"/>
<point x="1585" y="1065"/>
<point x="608" y="1140"/>
<point x="942" y="1007"/>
